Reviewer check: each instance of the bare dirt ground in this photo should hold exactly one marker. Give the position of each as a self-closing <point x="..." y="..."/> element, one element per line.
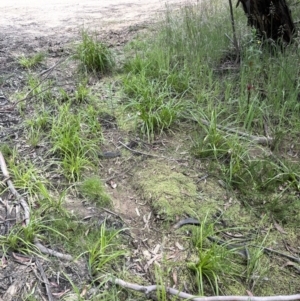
<point x="40" y="18"/>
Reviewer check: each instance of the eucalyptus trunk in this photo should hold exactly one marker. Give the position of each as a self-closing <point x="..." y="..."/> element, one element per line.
<point x="272" y="19"/>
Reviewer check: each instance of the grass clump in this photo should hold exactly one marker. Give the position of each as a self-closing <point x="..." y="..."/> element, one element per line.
<point x="94" y="55"/>
<point x="74" y="142"/>
<point x="213" y="262"/>
<point x="104" y="250"/>
<point x="31" y="61"/>
<point x="167" y="68"/>
<point x="152" y="106"/>
<point x="92" y="188"/>
<point x="82" y="92"/>
<point x="27" y="177"/>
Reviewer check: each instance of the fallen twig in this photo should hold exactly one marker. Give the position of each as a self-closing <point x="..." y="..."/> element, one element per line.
<point x="11" y="187"/>
<point x="139" y="152"/>
<point x="52" y="67"/>
<point x="36" y="86"/>
<point x="147" y="154"/>
<point x="268" y="250"/>
<point x="45" y="280"/>
<point x="172" y="291"/>
<point x="27" y="212"/>
<point x="48" y="251"/>
<point x="257" y="139"/>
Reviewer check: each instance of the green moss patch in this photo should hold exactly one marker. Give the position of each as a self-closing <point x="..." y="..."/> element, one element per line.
<point x="170" y="192"/>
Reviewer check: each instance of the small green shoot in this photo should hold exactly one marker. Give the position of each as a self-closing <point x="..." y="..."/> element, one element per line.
<point x="40" y="90"/>
<point x="104" y="251"/>
<point x="92" y="188"/>
<point x="82" y="92"/>
<point x="31" y="61"/>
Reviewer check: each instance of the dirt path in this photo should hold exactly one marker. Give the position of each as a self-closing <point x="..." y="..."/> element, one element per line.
<point x="40" y="18"/>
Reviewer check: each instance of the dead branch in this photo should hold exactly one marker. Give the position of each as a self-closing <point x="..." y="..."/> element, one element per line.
<point x="172" y="291"/>
<point x="45" y="280"/>
<point x="147" y="154"/>
<point x="257" y="139"/>
<point x="26" y="209"/>
<point x="140" y="153"/>
<point x="268" y="250"/>
<point x="235" y="42"/>
<point x="11" y="187"/>
<point x="51" y="252"/>
<point x="52" y="67"/>
<point x="49" y="71"/>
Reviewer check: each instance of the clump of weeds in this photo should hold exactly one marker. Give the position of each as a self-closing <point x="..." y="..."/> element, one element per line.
<point x="92" y="188"/>
<point x="93" y="55"/>
<point x="29" y="62"/>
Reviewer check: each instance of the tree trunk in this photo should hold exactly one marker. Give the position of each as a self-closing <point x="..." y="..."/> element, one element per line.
<point x="272" y="19"/>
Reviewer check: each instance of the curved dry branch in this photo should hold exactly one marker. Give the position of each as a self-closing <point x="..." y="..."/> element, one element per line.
<point x="45" y="280"/>
<point x="151" y="288"/>
<point x="26" y="209"/>
<point x="257" y="139"/>
<point x="13" y="190"/>
<point x="51" y="252"/>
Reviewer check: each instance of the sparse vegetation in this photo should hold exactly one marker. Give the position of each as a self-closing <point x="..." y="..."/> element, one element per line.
<point x="31" y="61"/>
<point x="192" y="110"/>
<point x="93" y="189"/>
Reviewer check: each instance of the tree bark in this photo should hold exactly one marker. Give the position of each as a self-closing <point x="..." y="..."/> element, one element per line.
<point x="271" y="18"/>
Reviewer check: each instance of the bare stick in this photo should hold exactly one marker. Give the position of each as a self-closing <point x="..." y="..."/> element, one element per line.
<point x="42" y="73"/>
<point x="257" y="139"/>
<point x="13" y="190"/>
<point x="140" y="153"/>
<point x="45" y="280"/>
<point x="268" y="250"/>
<point x="151" y="288"/>
<point x="27" y="212"/>
<point x="147" y="154"/>
<point x="51" y="252"/>
<point x="51" y="68"/>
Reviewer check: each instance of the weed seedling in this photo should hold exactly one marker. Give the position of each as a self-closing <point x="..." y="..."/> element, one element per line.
<point x="92" y="189"/>
<point x="31" y="61"/>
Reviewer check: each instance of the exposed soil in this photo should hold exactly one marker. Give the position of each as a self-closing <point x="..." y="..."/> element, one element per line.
<point x="131" y="180"/>
<point x="35" y="19"/>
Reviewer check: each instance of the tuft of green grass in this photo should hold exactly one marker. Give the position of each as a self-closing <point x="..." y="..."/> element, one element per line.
<point x="171" y="65"/>
<point x="104" y="251"/>
<point x="31" y="61"/>
<point x="21" y="238"/>
<point x="92" y="188"/>
<point x="26" y="176"/>
<point x="40" y="90"/>
<point x="213" y="260"/>
<point x="6" y="150"/>
<point x="152" y="105"/>
<point x="82" y="92"/>
<point x="94" y="55"/>
<point x="74" y="142"/>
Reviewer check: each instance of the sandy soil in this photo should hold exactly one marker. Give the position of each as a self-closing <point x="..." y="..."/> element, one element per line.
<point x="56" y="17"/>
